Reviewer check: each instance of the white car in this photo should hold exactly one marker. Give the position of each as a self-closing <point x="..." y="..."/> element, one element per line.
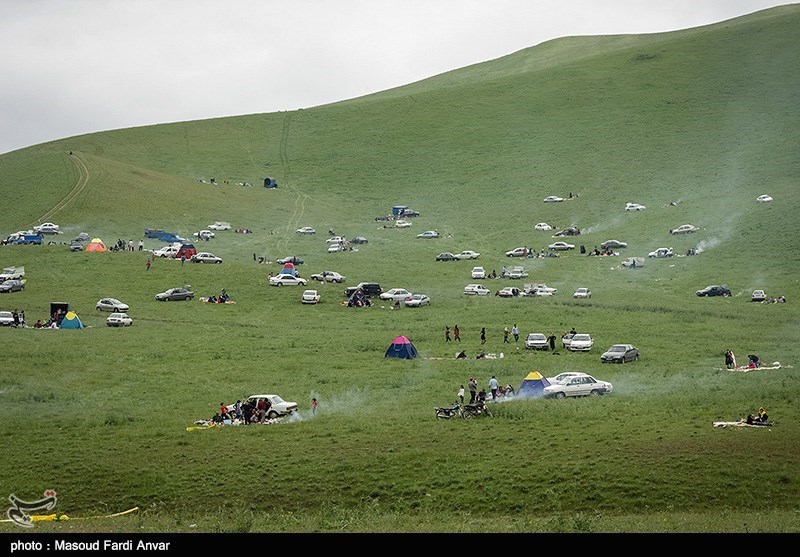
<point x="310" y="297"/>
<point x="562" y="377"/>
<point x="578" y="385"/>
<point x="111" y="304"/>
<point x="684" y="229"/>
<point x="478" y="273"/>
<point x="284" y="279"/>
<point x="306" y="230"/>
<point x="6" y="318"/>
<point x="581" y="342"/>
<point x="467" y="254"/>
<point x="119" y="319"/>
<point x="582" y="293"/>
<point x="634" y="207"/>
<point x="661" y="252"/>
<point x="428" y="234"/>
<point x="476" y="290"/>
<point x="561" y="246"/>
<point x="517" y="272"/>
<point x="417" y="300"/>
<point x="517" y="252"/>
<point x="219" y="225"/>
<point x="509" y="292"/>
<point x="278" y="407"/>
<point x="759" y="296"/>
<point x="205" y="257"/>
<point x="47" y="228"/>
<point x="553" y="199"/>
<point x="763" y="198"/>
<point x="328" y="276"/>
<point x="204" y="235"/>
<point x="540" y="290"/>
<point x="395" y="294"/>
<point x="402" y="224"/>
<point x="333" y="248"/>
<point x="336" y="240"/>
<point x="543" y="226"/>
<point x="537" y="341"/>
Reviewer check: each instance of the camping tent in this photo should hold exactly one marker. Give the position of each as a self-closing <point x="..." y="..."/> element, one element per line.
<point x="401" y="347"/>
<point x="96" y="245"/>
<point x="532" y="385"/>
<point x="288" y="269"/>
<point x="71" y="321"/>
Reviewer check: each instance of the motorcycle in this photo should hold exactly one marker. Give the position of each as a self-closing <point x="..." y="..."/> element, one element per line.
<point x="447" y="412"/>
<point x="474" y="410"/>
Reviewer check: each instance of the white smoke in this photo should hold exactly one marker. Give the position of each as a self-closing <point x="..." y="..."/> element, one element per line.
<point x="707" y="244"/>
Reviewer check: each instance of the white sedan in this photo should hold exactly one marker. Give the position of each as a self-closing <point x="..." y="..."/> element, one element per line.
<point x="428" y="234"/>
<point x="553" y="199"/>
<point x="396" y="294"/>
<point x="204" y="235"/>
<point x="467" y="254"/>
<point x="543" y="226"/>
<point x="582" y="293"/>
<point x="417" y="300"/>
<point x="284" y="279"/>
<point x="402" y="224"/>
<point x="517" y="252"/>
<point x="634" y="207"/>
<point x="561" y="246"/>
<point x="478" y="273"/>
<point x="306" y="230"/>
<point x="476" y="290"/>
<point x="684" y="229"/>
<point x="579" y="385"/>
<point x="764" y="198"/>
<point x="219" y="225"/>
<point x="310" y="297"/>
<point x="328" y="276"/>
<point x="119" y="320"/>
<point x="581" y="342"/>
<point x="336" y="240"/>
<point x="205" y="257"/>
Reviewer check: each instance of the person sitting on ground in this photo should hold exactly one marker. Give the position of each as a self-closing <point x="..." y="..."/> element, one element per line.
<point x="461" y="355"/>
<point x="481" y="396"/>
<point x="762" y="416"/>
<point x="750" y="419"/>
<point x="755" y="361"/>
<point x="481" y="355"/>
<point x="38" y="324"/>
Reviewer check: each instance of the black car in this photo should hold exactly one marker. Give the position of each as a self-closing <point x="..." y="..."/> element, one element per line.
<point x="370" y="289"/>
<point x="76" y="246"/>
<point x="12" y="285"/>
<point x="175" y="294"/>
<point x="446" y="256"/>
<point x="715" y="290"/>
<point x="620" y="354"/>
<point x="291" y="259"/>
<point x="358" y="240"/>
<point x="613" y="244"/>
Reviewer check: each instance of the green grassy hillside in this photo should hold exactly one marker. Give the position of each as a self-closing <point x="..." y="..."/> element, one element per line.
<point x="693" y="124"/>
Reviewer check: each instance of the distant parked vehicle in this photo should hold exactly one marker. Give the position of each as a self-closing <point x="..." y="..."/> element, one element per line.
<point x="291" y="259"/>
<point x="582" y="293"/>
<point x="395" y="294"/>
<point x="468" y="254"/>
<point x="119" y="319"/>
<point x="446" y="256"/>
<point x="764" y="198"/>
<point x="536" y="341"/>
<point x="714" y="290"/>
<point x="328" y="276"/>
<point x="219" y="225"/>
<point x="759" y="296"/>
<point x="620" y="354"/>
<point x="359" y="240"/>
<point x="428" y="234"/>
<point x="476" y="290"/>
<point x="634" y="207"/>
<point x="561" y="246"/>
<point x="111" y="304"/>
<point x="578" y="385"/>
<point x="661" y="252"/>
<point x="12" y="285"/>
<point x="478" y="273"/>
<point x="684" y="229"/>
<point x="613" y="244"/>
<point x="310" y="297"/>
<point x="286" y="280"/>
<point x="204" y="235"/>
<point x="175" y="294"/>
<point x="517" y="252"/>
<point x="509" y="292"/>
<point x="205" y="257"/>
<point x="553" y="199"/>
<point x="47" y="228"/>
<point x="581" y="342"/>
<point x="417" y="300"/>
<point x="306" y="230"/>
<point x="543" y="226"/>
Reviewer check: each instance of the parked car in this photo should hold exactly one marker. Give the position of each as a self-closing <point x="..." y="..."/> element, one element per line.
<point x="661" y="252"/>
<point x="47" y="228"/>
<point x="581" y="342"/>
<point x="395" y="294"/>
<point x="82" y="237"/>
<point x="509" y="292"/>
<point x="569" y="231"/>
<point x="759" y="296"/>
<point x="714" y="290"/>
<point x="517" y="272"/>
<point x="359" y="240"/>
<point x="517" y="252"/>
<point x="537" y="341"/>
<point x="335" y="248"/>
<point x="553" y="199"/>
<point x="428" y="234"/>
<point x="336" y="240"/>
<point x="620" y="353"/>
<point x="582" y="293"/>
<point x="763" y="198"/>
<point x="306" y="230"/>
<point x="205" y="257"/>
<point x="285" y="279"/>
<point x="12" y="273"/>
<point x="370" y="289"/>
<point x="328" y="276"/>
<point x="6" y="318"/>
<point x="417" y="300"/>
<point x="684" y="229"/>
<point x="561" y="246"/>
<point x="12" y="285"/>
<point x="175" y="294"/>
<point x="278" y="406"/>
<point x="468" y="254"/>
<point x="219" y="225"/>
<point x="478" y="273"/>
<point x="634" y="207"/>
<point x="613" y="244"/>
<point x="543" y="226"/>
<point x="111" y="304"/>
<point x="578" y="385"/>
<point x="446" y="256"/>
<point x="204" y="235"/>
<point x="291" y="259"/>
<point x="75" y="246"/>
<point x="119" y="319"/>
<point x="564" y="376"/>
<point x="476" y="290"/>
<point x="540" y="289"/>
<point x="310" y="297"/>
<point x="402" y="223"/>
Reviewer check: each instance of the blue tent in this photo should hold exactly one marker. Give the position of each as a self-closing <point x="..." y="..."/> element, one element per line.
<point x="401" y="347"/>
<point x="71" y="321"/>
<point x="532" y="386"/>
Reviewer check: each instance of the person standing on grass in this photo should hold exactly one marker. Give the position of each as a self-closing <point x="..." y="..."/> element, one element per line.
<point x="552" y="340"/>
<point x="461" y="394"/>
<point x="473" y="389"/>
<point x="483" y="335"/>
<point x="729" y="359"/>
<point x="147" y="265"/>
<point x="505" y="334"/>
<point x="493" y="386"/>
<point x="313" y="406"/>
<point x="456" y="333"/>
<point x="515" y="332"/>
<point x="447" y="333"/>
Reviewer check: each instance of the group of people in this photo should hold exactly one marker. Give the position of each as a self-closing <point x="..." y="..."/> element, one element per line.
<point x="753" y="361"/>
<point x="245" y="412"/>
<point x="761" y="419"/>
<point x="455" y="334"/>
<point x="476" y="396"/>
<point x="221" y="299"/>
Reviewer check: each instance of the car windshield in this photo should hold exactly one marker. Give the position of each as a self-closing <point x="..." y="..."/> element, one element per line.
<point x="618" y="348"/>
<point x="277" y="400"/>
<point x="581" y="337"/>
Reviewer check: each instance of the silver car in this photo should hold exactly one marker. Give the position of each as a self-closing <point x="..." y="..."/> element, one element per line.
<point x="579" y="385"/>
<point x="111" y="304"/>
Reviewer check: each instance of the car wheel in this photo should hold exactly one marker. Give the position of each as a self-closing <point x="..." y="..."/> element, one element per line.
<point x="272" y="414"/>
<point x="561" y="395"/>
<point x="595" y="393"/>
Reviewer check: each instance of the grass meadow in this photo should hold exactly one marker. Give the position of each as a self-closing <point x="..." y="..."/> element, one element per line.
<point x="693" y="124"/>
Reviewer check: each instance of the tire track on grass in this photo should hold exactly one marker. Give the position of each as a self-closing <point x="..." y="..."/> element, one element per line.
<point x="83" y="179"/>
<point x="300" y="200"/>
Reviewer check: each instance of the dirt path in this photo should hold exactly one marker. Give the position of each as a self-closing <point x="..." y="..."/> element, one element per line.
<point x="300" y="202"/>
<point x="83" y="179"/>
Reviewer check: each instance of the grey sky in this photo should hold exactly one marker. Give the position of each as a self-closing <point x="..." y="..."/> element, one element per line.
<point x="78" y="66"/>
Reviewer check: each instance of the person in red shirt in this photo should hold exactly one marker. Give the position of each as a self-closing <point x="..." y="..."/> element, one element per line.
<point x="223" y="411"/>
